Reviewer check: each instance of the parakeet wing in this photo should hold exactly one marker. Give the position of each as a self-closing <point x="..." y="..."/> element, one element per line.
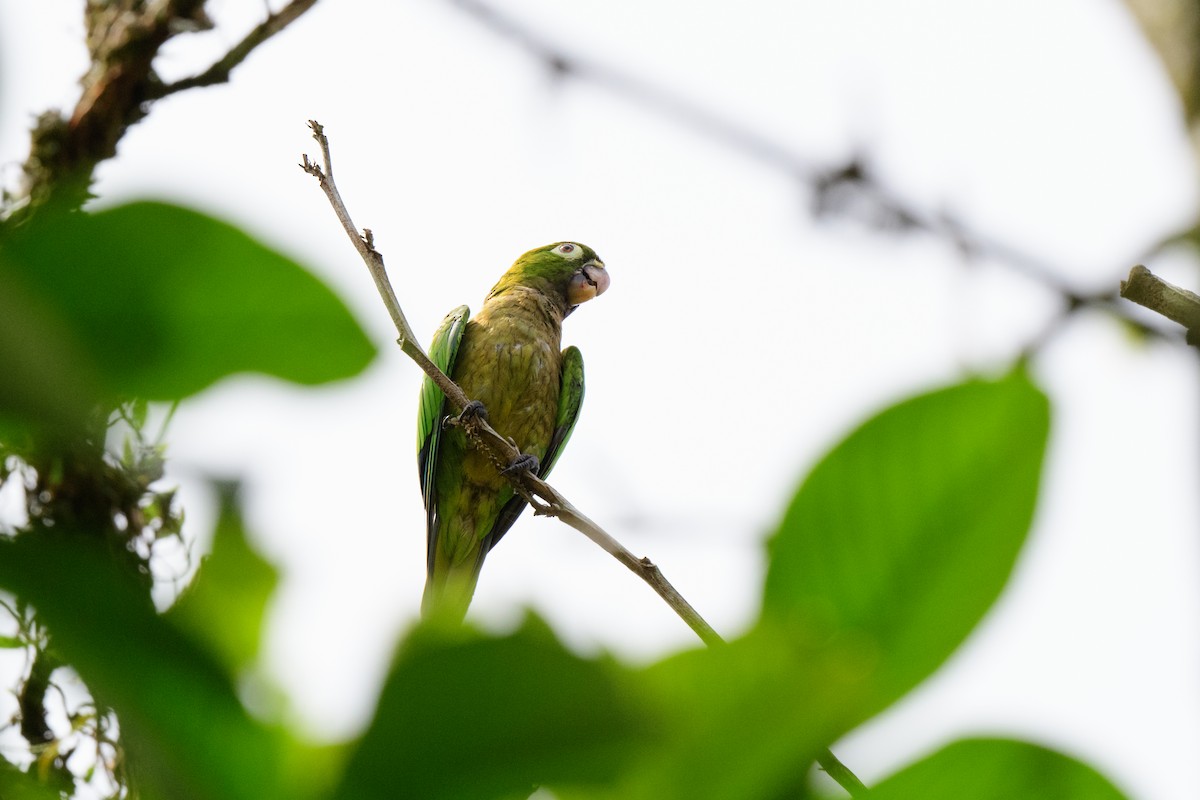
<point x="570" y="401"/>
<point x="442" y="351"/>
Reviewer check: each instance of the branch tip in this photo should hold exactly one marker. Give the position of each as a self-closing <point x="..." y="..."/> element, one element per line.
<point x="1176" y="304"/>
<point x="311" y="167"/>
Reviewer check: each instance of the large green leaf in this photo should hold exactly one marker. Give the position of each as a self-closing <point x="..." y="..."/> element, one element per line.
<point x="462" y="716"/>
<point x="996" y="769"/>
<point x="902" y="537"/>
<point x="16" y="785"/>
<point x="157" y="301"/>
<point x="187" y="734"/>
<point x="224" y="605"/>
<point x="745" y="720"/>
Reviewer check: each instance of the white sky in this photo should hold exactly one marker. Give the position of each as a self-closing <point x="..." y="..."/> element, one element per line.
<point x="739" y="338"/>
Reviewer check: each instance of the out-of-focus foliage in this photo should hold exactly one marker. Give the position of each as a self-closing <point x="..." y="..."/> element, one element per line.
<point x="996" y="769"/>
<point x="225" y="604"/>
<point x="155" y="301"/>
<point x="98" y="313"/>
<point x="16" y="785"/>
<point x="903" y="536"/>
<point x="185" y="731"/>
<point x="466" y="716"/>
<point x="746" y="719"/>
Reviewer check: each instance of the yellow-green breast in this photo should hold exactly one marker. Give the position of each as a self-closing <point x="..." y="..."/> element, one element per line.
<point x="510" y="360"/>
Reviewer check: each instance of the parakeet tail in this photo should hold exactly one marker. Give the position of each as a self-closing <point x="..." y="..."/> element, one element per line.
<point x="448" y="592"/>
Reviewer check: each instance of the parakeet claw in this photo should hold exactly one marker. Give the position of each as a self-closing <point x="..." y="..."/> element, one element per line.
<point x="472" y="410"/>
<point x="522" y="463"/>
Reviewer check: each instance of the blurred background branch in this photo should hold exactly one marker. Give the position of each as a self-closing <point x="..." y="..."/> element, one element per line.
<point x="850" y="189"/>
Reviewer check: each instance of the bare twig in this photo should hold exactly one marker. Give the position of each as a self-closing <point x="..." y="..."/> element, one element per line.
<point x="1179" y="305"/>
<point x="220" y="71"/>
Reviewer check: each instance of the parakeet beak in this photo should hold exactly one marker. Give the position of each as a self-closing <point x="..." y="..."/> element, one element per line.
<point x="590" y="281"/>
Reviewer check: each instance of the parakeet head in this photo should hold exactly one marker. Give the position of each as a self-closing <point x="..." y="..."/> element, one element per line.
<point x="566" y="271"/>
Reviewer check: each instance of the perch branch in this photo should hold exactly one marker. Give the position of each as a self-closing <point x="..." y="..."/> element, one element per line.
<point x="1178" y="305"/>
<point x="545" y="499"/>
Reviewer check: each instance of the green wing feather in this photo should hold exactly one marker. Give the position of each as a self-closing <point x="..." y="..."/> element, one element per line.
<point x="570" y="401"/>
<point x="443" y="351"/>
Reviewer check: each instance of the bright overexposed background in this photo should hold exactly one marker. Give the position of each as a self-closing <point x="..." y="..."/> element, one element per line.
<point x="740" y="337"/>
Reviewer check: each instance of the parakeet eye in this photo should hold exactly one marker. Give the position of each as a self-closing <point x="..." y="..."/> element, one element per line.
<point x="569" y="250"/>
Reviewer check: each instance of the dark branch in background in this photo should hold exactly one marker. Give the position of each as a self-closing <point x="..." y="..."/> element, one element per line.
<point x="846" y="190"/>
<point x="220" y="71"/>
<point x="544" y="499"/>
<point x="1179" y="305"/>
<point x="123" y="38"/>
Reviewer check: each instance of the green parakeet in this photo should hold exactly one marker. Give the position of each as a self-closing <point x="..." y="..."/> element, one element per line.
<point x="506" y="357"/>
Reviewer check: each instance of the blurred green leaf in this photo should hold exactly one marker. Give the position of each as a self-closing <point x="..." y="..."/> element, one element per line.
<point x="187" y="734"/>
<point x="16" y="785"/>
<point x="463" y="716"/>
<point x="903" y="536"/>
<point x="49" y="376"/>
<point x="156" y="301"/>
<point x="11" y="643"/>
<point x="224" y="605"/>
<point x="745" y="720"/>
<point x="996" y="769"/>
<point x="138" y="411"/>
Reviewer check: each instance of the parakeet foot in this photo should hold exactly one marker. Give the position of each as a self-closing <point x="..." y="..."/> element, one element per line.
<point x="473" y="410"/>
<point x="522" y="463"/>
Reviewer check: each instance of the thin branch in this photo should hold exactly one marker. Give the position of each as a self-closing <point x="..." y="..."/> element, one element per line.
<point x="365" y="245"/>
<point x="842" y="775"/>
<point x="220" y="71"/>
<point x="545" y="499"/>
<point x="1178" y="305"/>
